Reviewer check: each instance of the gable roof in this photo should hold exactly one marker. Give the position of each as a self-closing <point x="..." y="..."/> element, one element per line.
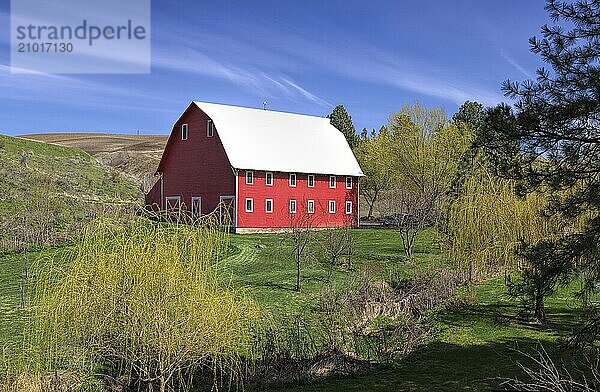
<point x="277" y="141"/>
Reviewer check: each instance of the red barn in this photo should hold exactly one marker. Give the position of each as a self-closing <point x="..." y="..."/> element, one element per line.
<point x="268" y="170"/>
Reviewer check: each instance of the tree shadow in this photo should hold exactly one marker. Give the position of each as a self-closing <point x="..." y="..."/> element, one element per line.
<point x="441" y="366"/>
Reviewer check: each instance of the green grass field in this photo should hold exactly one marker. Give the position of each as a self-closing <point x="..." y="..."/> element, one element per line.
<point x="473" y="344"/>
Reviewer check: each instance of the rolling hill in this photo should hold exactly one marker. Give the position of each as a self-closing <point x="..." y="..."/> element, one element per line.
<point x="136" y="156"/>
<point x="48" y="191"/>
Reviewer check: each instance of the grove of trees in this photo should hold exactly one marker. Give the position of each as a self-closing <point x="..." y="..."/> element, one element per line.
<point x="509" y="187"/>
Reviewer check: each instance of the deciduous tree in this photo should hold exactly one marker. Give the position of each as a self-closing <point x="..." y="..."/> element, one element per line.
<point x="374" y="154"/>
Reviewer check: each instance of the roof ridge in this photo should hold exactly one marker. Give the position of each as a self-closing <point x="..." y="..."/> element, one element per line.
<point x="261" y="110"/>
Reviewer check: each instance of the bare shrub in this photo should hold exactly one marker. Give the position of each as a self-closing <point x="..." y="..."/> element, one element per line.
<point x="299" y="348"/>
<point x="384" y="320"/>
<point x="409" y="211"/>
<point x="546" y="375"/>
<point x="337" y="243"/>
<point x="299" y="236"/>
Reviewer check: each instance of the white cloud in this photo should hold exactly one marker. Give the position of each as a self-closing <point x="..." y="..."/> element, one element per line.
<point x="251" y="78"/>
<point x="28" y="85"/>
<point x="509" y="59"/>
<point x="289" y="53"/>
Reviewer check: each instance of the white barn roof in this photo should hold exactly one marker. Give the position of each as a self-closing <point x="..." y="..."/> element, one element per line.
<point x="276" y="141"/>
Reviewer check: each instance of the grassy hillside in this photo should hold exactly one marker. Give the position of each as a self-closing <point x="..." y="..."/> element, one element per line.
<point x="47" y="191"/>
<point x="136" y="156"/>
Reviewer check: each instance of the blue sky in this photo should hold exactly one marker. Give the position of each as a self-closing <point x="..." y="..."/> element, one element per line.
<point x="299" y="56"/>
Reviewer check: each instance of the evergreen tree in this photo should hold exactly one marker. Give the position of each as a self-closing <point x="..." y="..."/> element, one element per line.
<point x="551" y="142"/>
<point x="470" y="114"/>
<point x="340" y="119"/>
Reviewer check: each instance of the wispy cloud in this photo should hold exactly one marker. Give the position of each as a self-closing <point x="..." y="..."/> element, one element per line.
<point x="72" y="90"/>
<point x="432" y="82"/>
<point x="509" y="59"/>
<point x="249" y="77"/>
<point x="307" y="94"/>
<point x="364" y="62"/>
<point x="293" y="54"/>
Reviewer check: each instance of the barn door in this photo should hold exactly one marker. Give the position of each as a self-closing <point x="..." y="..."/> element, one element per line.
<point x="173" y="203"/>
<point x="227" y="211"/>
<point x="173" y="208"/>
<point x="196" y="207"/>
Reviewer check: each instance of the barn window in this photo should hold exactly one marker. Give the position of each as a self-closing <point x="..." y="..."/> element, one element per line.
<point x="210" y="128"/>
<point x="348" y="182"/>
<point x="332" y="181"/>
<point x="311" y="181"/>
<point x="184" y="131"/>
<point x="332" y="206"/>
<point x="249" y="177"/>
<point x="348" y="207"/>
<point x="310" y="208"/>
<point x="269" y="205"/>
<point x="249" y="205"/>
<point x="292" y="179"/>
<point x="292" y="206"/>
<point x="269" y="178"/>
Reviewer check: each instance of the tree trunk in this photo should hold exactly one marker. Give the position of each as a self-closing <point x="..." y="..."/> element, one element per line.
<point x="298" y="271"/>
<point x="540" y="311"/>
<point x="372" y="204"/>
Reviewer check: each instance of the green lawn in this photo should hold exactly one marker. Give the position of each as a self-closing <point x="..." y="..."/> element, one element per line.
<point x="264" y="263"/>
<point x="474" y="343"/>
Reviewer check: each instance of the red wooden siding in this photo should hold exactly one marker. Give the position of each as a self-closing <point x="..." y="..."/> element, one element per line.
<point x="197" y="166"/>
<point x="281" y="192"/>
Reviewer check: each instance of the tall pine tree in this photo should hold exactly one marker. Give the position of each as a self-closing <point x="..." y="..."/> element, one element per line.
<point x="340" y="119"/>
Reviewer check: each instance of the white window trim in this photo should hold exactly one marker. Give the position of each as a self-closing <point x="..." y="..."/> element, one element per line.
<point x="313" y="180"/>
<point x="348" y="203"/>
<point x="348" y="178"/>
<point x="252" y="175"/>
<point x="331" y="203"/>
<point x="334" y="182"/>
<point x="308" y="206"/>
<point x="295" y="206"/>
<point x="266" y="203"/>
<point x="184" y="126"/>
<point x="267" y="177"/>
<point x="251" y="204"/>
<point x="210" y="128"/>
<point x="295" y="179"/>
<point x="194" y="198"/>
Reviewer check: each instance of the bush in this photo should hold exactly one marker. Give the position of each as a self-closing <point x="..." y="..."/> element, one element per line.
<point x="143" y="302"/>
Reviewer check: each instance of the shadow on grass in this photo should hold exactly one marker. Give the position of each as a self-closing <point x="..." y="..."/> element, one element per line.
<point x="559" y="322"/>
<point x="440" y="366"/>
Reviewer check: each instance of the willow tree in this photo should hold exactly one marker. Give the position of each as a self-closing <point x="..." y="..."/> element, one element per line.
<point x="141" y="301"/>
